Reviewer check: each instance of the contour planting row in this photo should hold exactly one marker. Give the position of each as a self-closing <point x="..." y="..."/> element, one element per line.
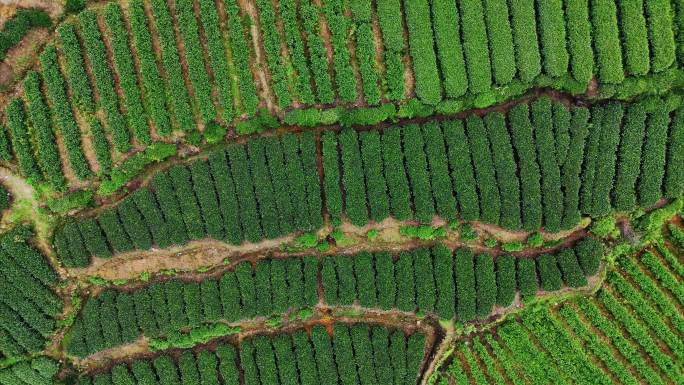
<point x="500" y="43"/>
<point x="38" y="371"/>
<point x="265" y="189"/>
<point x="430" y="281"/>
<point x="204" y="74"/>
<point x="343" y="354"/>
<point x="541" y="165"/>
<point x="631" y="332"/>
<point x="28" y="302"/>
<point x="149" y="96"/>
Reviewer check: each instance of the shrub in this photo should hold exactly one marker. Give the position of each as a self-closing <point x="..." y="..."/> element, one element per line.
<point x="116" y="236"/>
<point x="579" y="40"/>
<point x="154" y="95"/>
<point x="524" y="24"/>
<point x="406" y="289"/>
<point x="171" y="209"/>
<point x="654" y="157"/>
<point x="352" y="178"/>
<point x="505" y="166"/>
<point x="18" y="26"/>
<point x="462" y="172"/>
<point x="527" y="277"/>
<point x="484" y="170"/>
<point x="64" y="118"/>
<point x="104" y="79"/>
<point x="501" y="41"/>
<point x="176" y="91"/>
<point x="530" y="187"/>
<point x="552" y="34"/>
<point x="75" y="68"/>
<point x="629" y="160"/>
<point x="128" y="82"/>
<point x="572" y="167"/>
<point x="589" y="252"/>
<point x="445" y="20"/>
<point x="475" y="46"/>
<point x="486" y="284"/>
<point x="551" y="193"/>
<point x="217" y="58"/>
<point x="464" y="275"/>
<point x="570" y="268"/>
<point x="391" y="26"/>
<point x="94" y="240"/>
<point x="338" y="24"/>
<point x="309" y="159"/>
<point x="148" y="207"/>
<point x="48" y="153"/>
<point x="395" y="173"/>
<point x="444" y="279"/>
<point x="605" y="166"/>
<point x="421" y="44"/>
<point x="505" y="280"/>
<point x="417" y="169"/>
<point x="376" y="186"/>
<point x="549" y="273"/>
<point x="607" y="41"/>
<point x="180" y="177"/>
<point x="661" y="34"/>
<point x="244" y="188"/>
<point x="426" y="293"/>
<point x="674" y="175"/>
<point x="445" y="203"/>
<point x="16" y="122"/>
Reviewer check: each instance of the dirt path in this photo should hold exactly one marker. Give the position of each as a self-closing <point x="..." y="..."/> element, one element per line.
<point x="323" y="315"/>
<point x="208" y="254"/>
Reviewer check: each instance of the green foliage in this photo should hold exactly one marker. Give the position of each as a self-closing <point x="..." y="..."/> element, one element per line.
<point x="523" y="23"/>
<point x="132" y="166"/>
<point x="17" y="27"/>
<point x="530" y="175"/>
<point x="607" y="42"/>
<point x="421" y="43"/>
<point x="154" y="94"/>
<point x="179" y="100"/>
<point x="104" y="79"/>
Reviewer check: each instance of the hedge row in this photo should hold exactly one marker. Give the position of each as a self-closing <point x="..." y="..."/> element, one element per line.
<point x="276" y="62"/>
<point x="103" y="80"/>
<point x="46" y="146"/>
<point x="38" y="371"/>
<point x="199" y="200"/>
<point x="295" y="46"/>
<point x="151" y="80"/>
<point x="194" y="57"/>
<point x="421" y="44"/>
<point x="433" y="281"/>
<point x="128" y="80"/>
<point x="318" y="60"/>
<point x="351" y="353"/>
<point x="539" y="166"/>
<point x="391" y="25"/>
<point x="338" y="25"/>
<point x="28" y="303"/>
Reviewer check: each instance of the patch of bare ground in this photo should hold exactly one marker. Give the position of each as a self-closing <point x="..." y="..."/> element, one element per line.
<point x="196" y="254"/>
<point x="258" y="62"/>
<point x="325" y="316"/>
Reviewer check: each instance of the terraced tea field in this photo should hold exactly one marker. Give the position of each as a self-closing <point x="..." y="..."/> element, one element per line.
<point x="284" y="192"/>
